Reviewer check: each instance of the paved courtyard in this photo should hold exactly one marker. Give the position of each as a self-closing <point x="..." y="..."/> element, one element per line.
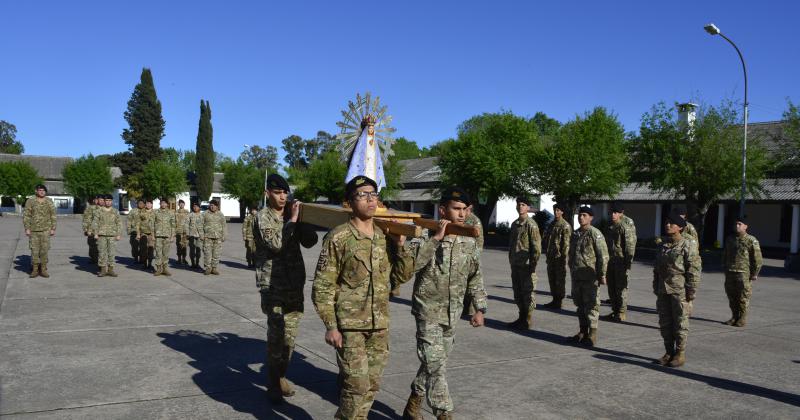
<point x="76" y="346"/>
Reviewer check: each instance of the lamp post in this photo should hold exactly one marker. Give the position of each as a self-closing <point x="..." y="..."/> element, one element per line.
<point x="713" y="30"/>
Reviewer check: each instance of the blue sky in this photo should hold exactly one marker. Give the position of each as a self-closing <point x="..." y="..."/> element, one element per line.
<point x="271" y="69"/>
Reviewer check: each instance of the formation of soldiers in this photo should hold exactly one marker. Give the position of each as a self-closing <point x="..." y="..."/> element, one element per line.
<point x="359" y="266"/>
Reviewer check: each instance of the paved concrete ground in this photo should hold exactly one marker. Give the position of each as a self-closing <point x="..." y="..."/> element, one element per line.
<point x="193" y="346"/>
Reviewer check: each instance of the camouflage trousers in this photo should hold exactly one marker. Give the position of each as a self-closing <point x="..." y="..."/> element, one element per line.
<point x="739" y="288"/>
<point x="250" y="251"/>
<point x="673" y="319"/>
<point x="523" y="282"/>
<point x="195" y="249"/>
<point x="39" y="244"/>
<point x="434" y="343"/>
<point x="557" y="277"/>
<point x="106" y="250"/>
<point x="585" y="297"/>
<point x="283" y="319"/>
<point x="161" y="250"/>
<point x="181" y="242"/>
<point x="617" y="278"/>
<point x="211" y="251"/>
<point x="145" y="244"/>
<point x="134" y="246"/>
<point x="93" y="248"/>
<point x="361" y="361"/>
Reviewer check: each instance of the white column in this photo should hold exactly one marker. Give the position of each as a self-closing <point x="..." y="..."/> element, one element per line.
<point x="721" y="224"/>
<point x="795" y="226"/>
<point x="659" y="209"/>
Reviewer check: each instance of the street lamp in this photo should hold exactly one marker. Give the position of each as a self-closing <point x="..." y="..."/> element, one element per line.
<point x="713" y="30"/>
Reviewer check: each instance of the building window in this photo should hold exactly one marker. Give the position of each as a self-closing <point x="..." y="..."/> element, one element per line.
<point x="61" y="203"/>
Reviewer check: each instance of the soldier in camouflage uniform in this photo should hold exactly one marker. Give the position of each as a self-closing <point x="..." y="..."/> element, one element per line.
<point x="588" y="260"/>
<point x="447" y="267"/>
<point x="194" y="232"/>
<point x="280" y="278"/>
<point x="39" y="220"/>
<point x="351" y="295"/>
<point x="558" y="239"/>
<point x="213" y="235"/>
<point x="676" y="276"/>
<point x="163" y="228"/>
<point x="107" y="230"/>
<point x="247" y="236"/>
<point x="524" y="249"/>
<point x="181" y="241"/>
<point x="133" y="217"/>
<point x="689" y="232"/>
<point x="144" y="234"/>
<point x="86" y="224"/>
<point x="472" y="220"/>
<point x="620" y="237"/>
<point x="742" y="263"/>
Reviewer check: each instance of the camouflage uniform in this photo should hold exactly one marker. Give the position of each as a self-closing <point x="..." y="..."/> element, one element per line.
<point x="280" y="278"/>
<point x="351" y="294"/>
<point x="473" y="220"/>
<point x="249" y="242"/>
<point x="689" y="232"/>
<point x="163" y="228"/>
<point x="193" y="226"/>
<point x="676" y="273"/>
<point x="557" y="249"/>
<point x="39" y="217"/>
<point x="144" y="230"/>
<point x="88" y="215"/>
<point x="741" y="262"/>
<point x="525" y="247"/>
<point x="181" y="241"/>
<point x="446" y="271"/>
<point x="213" y="235"/>
<point x="106" y="224"/>
<point x="621" y="242"/>
<point x="132" y="217"/>
<point x="588" y="260"/>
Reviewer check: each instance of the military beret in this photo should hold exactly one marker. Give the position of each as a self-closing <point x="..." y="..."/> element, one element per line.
<point x="100" y="196"/>
<point x="357" y="182"/>
<point x="742" y="219"/>
<point x="617" y="207"/>
<point x="40" y="186"/>
<point x="181" y="201"/>
<point x="108" y="197"/>
<point x="675" y="218"/>
<point x="587" y="210"/>
<point x="560" y="206"/>
<point x="524" y="199"/>
<point x="214" y="202"/>
<point x="277" y="182"/>
<point x="680" y="209"/>
<point x="455" y="194"/>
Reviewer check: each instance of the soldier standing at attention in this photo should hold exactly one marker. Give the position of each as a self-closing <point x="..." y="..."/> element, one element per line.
<point x="280" y="278"/>
<point x="213" y="235"/>
<point x="620" y="237"/>
<point x="39" y="221"/>
<point x="88" y="214"/>
<point x="163" y="228"/>
<point x="676" y="276"/>
<point x="107" y="230"/>
<point x="742" y="262"/>
<point x="524" y="249"/>
<point x="247" y="236"/>
<point x="194" y="231"/>
<point x="181" y="214"/>
<point x="144" y="234"/>
<point x="133" y="216"/>
<point x="447" y="267"/>
<point x="351" y="295"/>
<point x="588" y="260"/>
<point x="689" y="232"/>
<point x="557" y="249"/>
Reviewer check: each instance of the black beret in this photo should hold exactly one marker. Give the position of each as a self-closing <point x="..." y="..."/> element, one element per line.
<point x="524" y="199"/>
<point x="108" y="197"/>
<point x="742" y="219"/>
<point x="455" y="194"/>
<point x="356" y="182"/>
<point x="560" y="206"/>
<point x="214" y="202"/>
<point x="680" y="209"/>
<point x="100" y="196"/>
<point x="675" y="218"/>
<point x="40" y="186"/>
<point x="617" y="207"/>
<point x="277" y="182"/>
<point x="587" y="210"/>
<point x="181" y="201"/>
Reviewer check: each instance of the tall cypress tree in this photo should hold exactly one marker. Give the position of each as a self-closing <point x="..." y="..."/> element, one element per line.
<point x="145" y="123"/>
<point x="204" y="158"/>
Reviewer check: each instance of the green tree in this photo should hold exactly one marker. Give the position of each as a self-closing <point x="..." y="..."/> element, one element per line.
<point x="261" y="157"/>
<point x="701" y="163"/>
<point x="294" y="146"/>
<point x="145" y="124"/>
<point x="789" y="139"/>
<point x="204" y="157"/>
<point x="161" y="179"/>
<point x="584" y="158"/>
<point x="547" y="127"/>
<point x="18" y="180"/>
<point x="406" y="149"/>
<point x="436" y="149"/>
<point x="323" y="177"/>
<point x="222" y="161"/>
<point x="8" y="139"/>
<point x="488" y="158"/>
<point x="244" y="182"/>
<point x="87" y="176"/>
<point x="187" y="160"/>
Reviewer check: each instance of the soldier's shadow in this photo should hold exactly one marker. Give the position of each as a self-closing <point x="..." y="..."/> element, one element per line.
<point x="23" y="263"/>
<point x="234" y="264"/>
<point x="83" y="264"/>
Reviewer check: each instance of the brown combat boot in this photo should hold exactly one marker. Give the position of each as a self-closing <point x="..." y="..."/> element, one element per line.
<point x="445" y="416"/>
<point x="214" y="271"/>
<point x="741" y="322"/>
<point x="730" y="321"/>
<point x="111" y="271"/>
<point x="669" y="351"/>
<point x="413" y="410"/>
<point x="621" y="316"/>
<point x="43" y="271"/>
<point x="287" y="390"/>
<point x="158" y="270"/>
<point x="103" y="272"/>
<point x="34" y="271"/>
<point x="164" y="270"/>
<point x="678" y="360"/>
<point x="528" y="323"/>
<point x="577" y="338"/>
<point x="207" y="271"/>
<point x="591" y="338"/>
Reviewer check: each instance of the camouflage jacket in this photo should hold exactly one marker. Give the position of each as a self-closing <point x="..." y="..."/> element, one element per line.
<point x="144" y="221"/>
<point x="132" y="215"/>
<point x="352" y="280"/>
<point x="445" y="272"/>
<point x="39" y="216"/>
<point x="163" y="223"/>
<point x="180" y="221"/>
<point x="473" y="220"/>
<point x="106" y="222"/>
<point x="247" y="227"/>
<point x="213" y="225"/>
<point x="742" y="255"/>
<point x="88" y="214"/>
<point x="525" y="243"/>
<point x="621" y="240"/>
<point x="278" y="256"/>
<point x="689" y="232"/>
<point x="677" y="267"/>
<point x="588" y="255"/>
<point x="558" y="239"/>
<point x="193" y="226"/>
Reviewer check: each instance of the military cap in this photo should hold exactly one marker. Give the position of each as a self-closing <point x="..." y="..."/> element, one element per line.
<point x="560" y="206"/>
<point x="524" y="199"/>
<point x="455" y="194"/>
<point x="680" y="209"/>
<point x="617" y="207"/>
<point x="214" y="202"/>
<point x="108" y="197"/>
<point x="100" y="196"/>
<point x="356" y="182"/>
<point x="40" y="186"/>
<point x="675" y="218"/>
<point x="587" y="210"/>
<point x="742" y="219"/>
<point x="277" y="182"/>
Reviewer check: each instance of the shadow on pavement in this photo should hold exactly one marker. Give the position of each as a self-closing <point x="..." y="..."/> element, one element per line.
<point x="83" y="264"/>
<point x="235" y="264"/>
<point x="23" y="263"/>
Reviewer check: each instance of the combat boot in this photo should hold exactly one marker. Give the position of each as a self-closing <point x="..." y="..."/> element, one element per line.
<point x="103" y="272"/>
<point x="413" y="410"/>
<point x="445" y="416"/>
<point x="214" y="271"/>
<point x="612" y="317"/>
<point x="590" y="339"/>
<point x="394" y="293"/>
<point x="577" y="338"/>
<point x="554" y="304"/>
<point x="34" y="271"/>
<point x="158" y="270"/>
<point x="741" y="322"/>
<point x="669" y="351"/>
<point x="164" y="270"/>
<point x="621" y="316"/>
<point x="43" y="271"/>
<point x="678" y="360"/>
<point x="111" y="271"/>
<point x="528" y="323"/>
<point x="730" y="321"/>
<point x="207" y="271"/>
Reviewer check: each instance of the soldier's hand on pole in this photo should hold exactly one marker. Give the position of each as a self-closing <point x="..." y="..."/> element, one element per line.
<point x="52" y="232"/>
<point x="603" y="280"/>
<point x="477" y="319"/>
<point x="27" y="232"/>
<point x="690" y="295"/>
<point x="334" y="338"/>
<point x="96" y="237"/>
<point x="754" y="278"/>
<point x="118" y="237"/>
<point x="295" y="210"/>
<point x="440" y="232"/>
